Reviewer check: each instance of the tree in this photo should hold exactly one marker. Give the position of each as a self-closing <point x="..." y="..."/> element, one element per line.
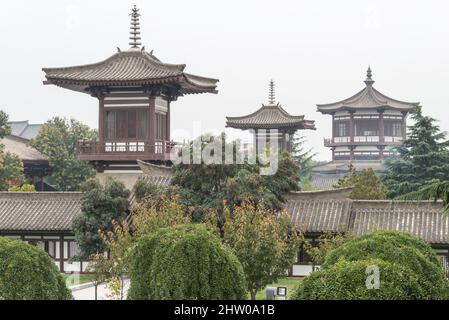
<point x="263" y="242"/>
<point x="422" y="159"/>
<point x="11" y="167"/>
<point x="57" y="140"/>
<point x="328" y="241"/>
<point x="100" y="206"/>
<point x="184" y="262"/>
<point x="28" y="273"/>
<point x="347" y="280"/>
<point x="395" y="248"/>
<point x="435" y="191"/>
<point x="304" y="158"/>
<point x="365" y="184"/>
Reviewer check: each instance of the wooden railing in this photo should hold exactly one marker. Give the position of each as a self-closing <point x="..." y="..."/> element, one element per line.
<point x="88" y="150"/>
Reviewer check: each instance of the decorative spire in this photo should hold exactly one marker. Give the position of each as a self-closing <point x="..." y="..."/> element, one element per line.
<point x="135" y="28"/>
<point x="369" y="81"/>
<point x="271" y="94"/>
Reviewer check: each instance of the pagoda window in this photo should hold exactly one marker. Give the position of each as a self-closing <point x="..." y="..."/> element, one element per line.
<point x="393" y="129"/>
<point x="341" y="129"/>
<point x="366" y="128"/>
<point x="127" y="125"/>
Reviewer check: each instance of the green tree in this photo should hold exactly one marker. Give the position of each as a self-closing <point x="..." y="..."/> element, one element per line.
<point x="264" y="243"/>
<point x="327" y="242"/>
<point x="57" y="140"/>
<point x="100" y="206"/>
<point x="365" y="185"/>
<point x="11" y="167"/>
<point x="416" y="258"/>
<point x="434" y="191"/>
<point x="29" y="273"/>
<point x="422" y="159"/>
<point x="184" y="262"/>
<point x="303" y="157"/>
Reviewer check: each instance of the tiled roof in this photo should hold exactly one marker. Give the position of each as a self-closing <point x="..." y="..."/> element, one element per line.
<point x="319" y="215"/>
<point x="324" y="181"/>
<point x="24" y="129"/>
<point x="133" y="67"/>
<point x="21" y="148"/>
<point x="423" y="219"/>
<point x="368" y="98"/>
<point x="270" y="116"/>
<point x="38" y="211"/>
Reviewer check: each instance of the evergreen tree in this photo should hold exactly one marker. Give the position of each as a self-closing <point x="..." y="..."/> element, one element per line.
<point x="422" y="159"/>
<point x="303" y="157"/>
<point x="365" y="185"/>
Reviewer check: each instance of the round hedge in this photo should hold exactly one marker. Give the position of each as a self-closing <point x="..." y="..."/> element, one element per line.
<point x="184" y="262"/>
<point x="400" y="248"/>
<point x="346" y="280"/>
<point x="28" y="273"/>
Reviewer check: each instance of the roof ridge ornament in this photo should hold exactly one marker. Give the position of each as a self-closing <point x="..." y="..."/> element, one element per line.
<point x="271" y="94"/>
<point x="369" y="80"/>
<point x="135" y="29"/>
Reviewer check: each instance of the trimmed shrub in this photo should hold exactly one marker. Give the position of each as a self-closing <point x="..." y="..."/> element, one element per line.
<point x="346" y="280"/>
<point x="400" y="248"/>
<point x="28" y="273"/>
<point x="184" y="262"/>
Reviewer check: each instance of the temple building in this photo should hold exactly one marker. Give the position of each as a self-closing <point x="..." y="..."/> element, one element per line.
<point x="365" y="130"/>
<point x="367" y="125"/>
<point x="271" y="121"/>
<point x="135" y="90"/>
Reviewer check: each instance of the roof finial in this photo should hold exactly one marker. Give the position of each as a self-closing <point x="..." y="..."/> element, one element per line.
<point x="135" y="28"/>
<point x="369" y="81"/>
<point x="271" y="94"/>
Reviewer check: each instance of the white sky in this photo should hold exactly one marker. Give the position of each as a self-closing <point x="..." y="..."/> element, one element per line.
<point x="316" y="51"/>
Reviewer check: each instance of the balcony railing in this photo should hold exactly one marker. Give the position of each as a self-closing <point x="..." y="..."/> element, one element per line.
<point x="330" y="142"/>
<point x="124" y="150"/>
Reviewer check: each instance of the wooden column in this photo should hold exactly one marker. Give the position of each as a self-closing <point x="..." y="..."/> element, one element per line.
<point x="152" y="124"/>
<point x="404" y="125"/>
<point x="167" y="127"/>
<point x="381" y="126"/>
<point x="101" y="122"/>
<point x="61" y="253"/>
<point x="351" y="126"/>
<point x="333" y="127"/>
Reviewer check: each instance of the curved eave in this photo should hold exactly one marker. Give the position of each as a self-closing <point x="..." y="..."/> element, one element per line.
<point x="304" y="125"/>
<point x="330" y="110"/>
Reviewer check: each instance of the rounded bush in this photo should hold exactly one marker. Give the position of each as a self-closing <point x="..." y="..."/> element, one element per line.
<point x="347" y="280"/>
<point x="400" y="248"/>
<point x="184" y="262"/>
<point x="28" y="273"/>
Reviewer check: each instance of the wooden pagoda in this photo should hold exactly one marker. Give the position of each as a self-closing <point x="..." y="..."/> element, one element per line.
<point x="134" y="90"/>
<point x="367" y="125"/>
<point x="271" y="119"/>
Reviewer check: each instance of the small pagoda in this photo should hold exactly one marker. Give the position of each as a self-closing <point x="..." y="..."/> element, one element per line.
<point x="134" y="90"/>
<point x="271" y="121"/>
<point x="366" y="126"/>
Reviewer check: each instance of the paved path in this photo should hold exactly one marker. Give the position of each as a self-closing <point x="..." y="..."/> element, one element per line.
<point x="87" y="292"/>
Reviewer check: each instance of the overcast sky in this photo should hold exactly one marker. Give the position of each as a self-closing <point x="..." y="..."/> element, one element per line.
<point x="316" y="51"/>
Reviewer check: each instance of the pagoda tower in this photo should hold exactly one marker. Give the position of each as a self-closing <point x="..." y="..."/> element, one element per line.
<point x="135" y="90"/>
<point x="367" y="126"/>
<point x="271" y="118"/>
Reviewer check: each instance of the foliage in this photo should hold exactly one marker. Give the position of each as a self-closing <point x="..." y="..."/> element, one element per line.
<point x="28" y="273"/>
<point x="11" y="170"/>
<point x="263" y="242"/>
<point x="184" y="262"/>
<point x="101" y="204"/>
<point x="346" y="280"/>
<point x="399" y="248"/>
<point x="327" y="242"/>
<point x="365" y="184"/>
<point x="221" y="185"/>
<point x="57" y="140"/>
<point x="304" y="158"/>
<point x="23" y="188"/>
<point x="11" y="167"/>
<point x="435" y="191"/>
<point x="422" y="159"/>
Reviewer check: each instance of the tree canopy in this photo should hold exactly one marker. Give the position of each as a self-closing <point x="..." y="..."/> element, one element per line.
<point x="184" y="262"/>
<point x="57" y="140"/>
<point x="422" y="159"/>
<point x="365" y="184"/>
<point x="29" y="273"/>
<point x="11" y="167"/>
<point x="100" y="206"/>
